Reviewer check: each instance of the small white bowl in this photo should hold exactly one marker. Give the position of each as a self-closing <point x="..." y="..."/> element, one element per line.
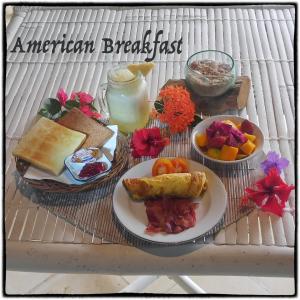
<point x="201" y="128"/>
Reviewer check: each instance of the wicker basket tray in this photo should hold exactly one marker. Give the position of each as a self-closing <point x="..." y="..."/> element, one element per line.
<point x="48" y="185"/>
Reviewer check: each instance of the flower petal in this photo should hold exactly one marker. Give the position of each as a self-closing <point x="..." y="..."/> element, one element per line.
<point x="266" y="166"/>
<point x="282" y="163"/>
<point x="85" y="98"/>
<point x="166" y="141"/>
<point x="273" y="206"/>
<point x="272" y="156"/>
<point x="271" y="180"/>
<point x="283" y="191"/>
<point x="147" y="142"/>
<point x="244" y="200"/>
<point x="256" y="196"/>
<point x="73" y="96"/>
<point x="274" y="161"/>
<point x="86" y="110"/>
<point x="96" y="115"/>
<point x="62" y="96"/>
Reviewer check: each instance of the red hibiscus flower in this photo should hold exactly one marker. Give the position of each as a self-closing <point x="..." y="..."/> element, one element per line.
<point x="148" y="142"/>
<point x="62" y="96"/>
<point x="271" y="194"/>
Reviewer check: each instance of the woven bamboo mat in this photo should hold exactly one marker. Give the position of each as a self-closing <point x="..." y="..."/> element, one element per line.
<point x="260" y="39"/>
<point x="93" y="211"/>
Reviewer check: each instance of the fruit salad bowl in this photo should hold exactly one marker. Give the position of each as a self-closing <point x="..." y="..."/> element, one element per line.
<point x="227" y="139"/>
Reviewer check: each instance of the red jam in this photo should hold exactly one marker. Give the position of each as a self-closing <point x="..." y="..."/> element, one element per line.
<point x="92" y="169"/>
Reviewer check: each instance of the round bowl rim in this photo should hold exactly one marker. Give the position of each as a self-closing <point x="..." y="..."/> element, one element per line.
<point x="195" y="131"/>
<point x="203" y="51"/>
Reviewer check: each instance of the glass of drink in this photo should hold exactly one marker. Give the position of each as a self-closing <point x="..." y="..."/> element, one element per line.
<point x="126" y="96"/>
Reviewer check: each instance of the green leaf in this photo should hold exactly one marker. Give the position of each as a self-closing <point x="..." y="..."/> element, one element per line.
<point x="59" y="115"/>
<point x="64" y="112"/>
<point x="197" y="119"/>
<point x="44" y="112"/>
<point x="159" y="106"/>
<point x="53" y="106"/>
<point x="71" y="104"/>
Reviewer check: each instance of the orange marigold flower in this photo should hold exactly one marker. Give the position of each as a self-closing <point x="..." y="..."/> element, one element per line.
<point x="178" y="108"/>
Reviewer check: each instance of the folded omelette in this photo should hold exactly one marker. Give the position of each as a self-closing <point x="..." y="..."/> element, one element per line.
<point x="179" y="185"/>
<point x="47" y="144"/>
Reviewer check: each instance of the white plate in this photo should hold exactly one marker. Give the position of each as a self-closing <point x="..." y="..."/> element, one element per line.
<point x="132" y="214"/>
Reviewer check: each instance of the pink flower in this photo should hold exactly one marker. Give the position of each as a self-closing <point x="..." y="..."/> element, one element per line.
<point x="85" y="98"/>
<point x="96" y="115"/>
<point x="86" y="110"/>
<point x="148" y="142"/>
<point x="73" y="96"/>
<point x="62" y="96"/>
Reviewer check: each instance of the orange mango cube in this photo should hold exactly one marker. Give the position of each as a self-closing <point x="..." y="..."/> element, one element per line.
<point x="248" y="147"/>
<point x="201" y="139"/>
<point x="250" y="137"/>
<point x="214" y="153"/>
<point x="228" y="153"/>
<point x="230" y="123"/>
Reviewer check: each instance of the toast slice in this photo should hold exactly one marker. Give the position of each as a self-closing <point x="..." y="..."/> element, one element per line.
<point x="47" y="144"/>
<point x="97" y="134"/>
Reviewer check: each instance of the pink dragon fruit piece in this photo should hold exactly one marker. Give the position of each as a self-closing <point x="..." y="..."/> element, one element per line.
<point x="240" y="138"/>
<point x="218" y="128"/>
<point x="247" y="127"/>
<point x="231" y="141"/>
<point x="217" y="141"/>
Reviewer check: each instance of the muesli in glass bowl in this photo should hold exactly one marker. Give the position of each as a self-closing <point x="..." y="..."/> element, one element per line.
<point x="210" y="73"/>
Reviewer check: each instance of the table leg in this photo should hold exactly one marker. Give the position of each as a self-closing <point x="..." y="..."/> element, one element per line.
<point x="183" y="281"/>
<point x="188" y="284"/>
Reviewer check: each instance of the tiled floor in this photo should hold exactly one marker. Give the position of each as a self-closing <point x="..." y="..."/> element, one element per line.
<point x="44" y="283"/>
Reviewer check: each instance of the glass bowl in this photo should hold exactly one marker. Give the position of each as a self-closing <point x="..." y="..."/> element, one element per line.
<point x="210" y="73"/>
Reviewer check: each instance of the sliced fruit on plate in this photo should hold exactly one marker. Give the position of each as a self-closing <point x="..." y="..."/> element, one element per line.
<point x="162" y="166"/>
<point x="144" y="68"/>
<point x="180" y="165"/>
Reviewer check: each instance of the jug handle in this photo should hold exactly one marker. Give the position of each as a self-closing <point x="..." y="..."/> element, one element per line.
<point x="102" y="104"/>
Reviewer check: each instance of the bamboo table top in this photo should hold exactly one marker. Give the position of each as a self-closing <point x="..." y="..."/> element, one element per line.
<point x="259" y="38"/>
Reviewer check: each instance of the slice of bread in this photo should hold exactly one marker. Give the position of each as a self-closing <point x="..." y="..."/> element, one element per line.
<point x="47" y="144"/>
<point x="97" y="134"/>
